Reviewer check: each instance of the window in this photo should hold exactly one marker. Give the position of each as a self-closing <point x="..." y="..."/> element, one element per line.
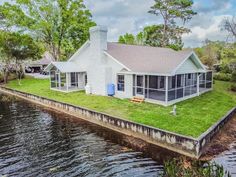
<point x="85" y="79"/>
<point x="121" y="83"/>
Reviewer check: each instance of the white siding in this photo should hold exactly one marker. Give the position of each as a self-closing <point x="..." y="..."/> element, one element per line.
<point x="101" y="69"/>
<point x="187" y="67"/>
<point x="128" y="93"/>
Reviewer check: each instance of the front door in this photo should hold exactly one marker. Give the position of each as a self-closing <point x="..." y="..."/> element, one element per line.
<point x="140" y="86"/>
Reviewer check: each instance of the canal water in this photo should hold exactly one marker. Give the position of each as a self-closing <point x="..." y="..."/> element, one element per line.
<point x="39" y="142"/>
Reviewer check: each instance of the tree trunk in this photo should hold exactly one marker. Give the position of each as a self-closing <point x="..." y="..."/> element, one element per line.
<point x="6" y="74"/>
<point x="164" y="33"/>
<point x="19" y="73"/>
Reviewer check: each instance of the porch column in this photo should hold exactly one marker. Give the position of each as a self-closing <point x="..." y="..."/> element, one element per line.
<point x="184" y="85"/>
<point x="50" y="78"/>
<point x="166" y="97"/>
<point x="59" y="80"/>
<point x="67" y="82"/>
<point x="198" y="84"/>
<point x="212" y="80"/>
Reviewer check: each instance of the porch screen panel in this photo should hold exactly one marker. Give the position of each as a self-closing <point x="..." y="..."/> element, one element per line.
<point x="176" y="87"/>
<point x="190" y="84"/>
<point x="155" y="89"/>
<point x="209" y="80"/>
<point x="63" y="79"/>
<point x="140" y="84"/>
<point x="180" y="86"/>
<point x="53" y="78"/>
<point x="188" y="80"/>
<point x="172" y="88"/>
<point x="202" y="82"/>
<point x="194" y="84"/>
<point x="74" y="79"/>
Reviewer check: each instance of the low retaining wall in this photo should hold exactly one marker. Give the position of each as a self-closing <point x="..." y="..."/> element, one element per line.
<point x="175" y="142"/>
<point x="207" y="136"/>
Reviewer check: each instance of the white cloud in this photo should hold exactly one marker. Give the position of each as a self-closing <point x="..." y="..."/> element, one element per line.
<point x="211" y="30"/>
<point x="121" y="16"/>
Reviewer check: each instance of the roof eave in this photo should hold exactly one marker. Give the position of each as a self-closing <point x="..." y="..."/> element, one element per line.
<point x="79" y="50"/>
<point x="106" y="53"/>
<point x="145" y="73"/>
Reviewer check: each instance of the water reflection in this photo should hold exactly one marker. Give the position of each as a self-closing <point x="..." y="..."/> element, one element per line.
<point x="228" y="159"/>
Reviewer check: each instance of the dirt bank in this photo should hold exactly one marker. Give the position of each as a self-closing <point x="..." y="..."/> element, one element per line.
<point x="222" y="141"/>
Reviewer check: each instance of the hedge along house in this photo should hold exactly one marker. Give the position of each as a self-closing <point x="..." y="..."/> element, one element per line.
<point x="159" y="75"/>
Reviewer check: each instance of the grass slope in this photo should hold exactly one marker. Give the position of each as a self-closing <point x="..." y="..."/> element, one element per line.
<point x="194" y="116"/>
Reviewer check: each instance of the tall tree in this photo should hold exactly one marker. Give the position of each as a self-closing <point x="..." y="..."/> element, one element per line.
<point x="170" y="11"/>
<point x="62" y="25"/>
<point x="127" y="39"/>
<point x="15" y="49"/>
<point x="154" y="35"/>
<point x="229" y="24"/>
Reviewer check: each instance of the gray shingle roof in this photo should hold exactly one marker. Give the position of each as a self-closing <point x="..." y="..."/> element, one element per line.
<point x="147" y="59"/>
<point x="46" y="59"/>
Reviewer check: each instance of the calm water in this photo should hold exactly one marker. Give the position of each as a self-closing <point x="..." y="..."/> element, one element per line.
<point x="37" y="142"/>
<point x="228" y="159"/>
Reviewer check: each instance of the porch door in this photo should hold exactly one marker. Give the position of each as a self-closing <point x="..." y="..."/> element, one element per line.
<point x="74" y="79"/>
<point x="57" y="79"/>
<point x="140" y="85"/>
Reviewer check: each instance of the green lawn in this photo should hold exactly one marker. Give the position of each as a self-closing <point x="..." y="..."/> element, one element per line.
<point x="194" y="116"/>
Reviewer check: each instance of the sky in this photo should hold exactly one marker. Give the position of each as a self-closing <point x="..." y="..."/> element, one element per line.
<point x="121" y="16"/>
<point x="131" y="16"/>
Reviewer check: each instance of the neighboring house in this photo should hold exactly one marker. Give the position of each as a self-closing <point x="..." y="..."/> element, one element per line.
<point x="40" y="65"/>
<point x="160" y="75"/>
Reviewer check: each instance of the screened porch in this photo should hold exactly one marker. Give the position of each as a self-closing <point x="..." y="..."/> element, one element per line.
<point x="66" y="77"/>
<point x="67" y="82"/>
<point x="169" y="89"/>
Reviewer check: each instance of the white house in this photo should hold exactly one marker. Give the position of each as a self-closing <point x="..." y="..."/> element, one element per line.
<point x="159" y="75"/>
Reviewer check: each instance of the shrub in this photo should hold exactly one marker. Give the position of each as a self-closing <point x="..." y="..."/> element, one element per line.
<point x="224" y="68"/>
<point x="183" y="168"/>
<point x="233" y="77"/>
<point x="222" y="76"/>
<point x="233" y="87"/>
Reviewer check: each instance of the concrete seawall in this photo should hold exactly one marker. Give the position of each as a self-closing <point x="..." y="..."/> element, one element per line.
<point x="192" y="147"/>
